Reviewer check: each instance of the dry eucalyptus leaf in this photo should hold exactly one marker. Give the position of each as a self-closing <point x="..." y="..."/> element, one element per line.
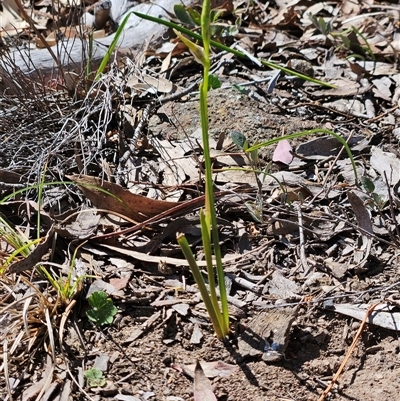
<point x="386" y="163"/>
<point x="109" y="196"/>
<point x="362" y="215"/>
<point x="148" y="83"/>
<point x="383" y="315"/>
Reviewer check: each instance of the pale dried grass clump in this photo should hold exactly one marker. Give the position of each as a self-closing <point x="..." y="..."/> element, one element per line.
<point x="47" y="126"/>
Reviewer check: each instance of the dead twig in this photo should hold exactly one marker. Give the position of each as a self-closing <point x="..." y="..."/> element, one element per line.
<point x="349" y="352"/>
<point x="303" y="257"/>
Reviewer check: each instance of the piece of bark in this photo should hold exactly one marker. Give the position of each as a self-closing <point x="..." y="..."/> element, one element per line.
<point x="267" y="335"/>
<point x="39" y="64"/>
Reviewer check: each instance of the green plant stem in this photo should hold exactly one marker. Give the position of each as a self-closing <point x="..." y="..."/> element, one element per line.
<point x="228" y="49"/>
<point x="210" y="217"/>
<point x="205" y="235"/>
<point x="213" y="313"/>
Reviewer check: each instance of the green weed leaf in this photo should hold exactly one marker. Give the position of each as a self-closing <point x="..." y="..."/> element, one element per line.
<point x="379" y="201"/>
<point x="238" y="139"/>
<point x="368" y="184"/>
<point x="183" y="16"/>
<point x="95" y="378"/>
<point x="215" y="14"/>
<point x="214" y="82"/>
<point x="195" y="16"/>
<point x="103" y="309"/>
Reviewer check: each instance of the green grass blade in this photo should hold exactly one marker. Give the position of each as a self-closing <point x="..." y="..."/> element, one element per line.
<point x="110" y="50"/>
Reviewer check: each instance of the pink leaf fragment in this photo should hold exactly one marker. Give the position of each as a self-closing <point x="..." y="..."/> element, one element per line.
<point x="283" y="152"/>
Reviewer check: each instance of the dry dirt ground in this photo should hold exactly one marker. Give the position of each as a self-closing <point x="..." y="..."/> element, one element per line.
<point x="319" y="253"/>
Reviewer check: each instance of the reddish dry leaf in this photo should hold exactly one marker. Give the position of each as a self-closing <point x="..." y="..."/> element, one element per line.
<point x="119" y="283"/>
<point x="108" y="196"/>
<point x="360" y="211"/>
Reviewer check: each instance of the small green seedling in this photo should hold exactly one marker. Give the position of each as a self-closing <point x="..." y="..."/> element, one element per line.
<point x="94" y="378"/>
<point x="374" y="198"/>
<point x="348" y="37"/>
<point x="254" y="208"/>
<point x="102" y="309"/>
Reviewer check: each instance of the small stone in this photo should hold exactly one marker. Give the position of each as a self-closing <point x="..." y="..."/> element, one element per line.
<point x="197" y="335"/>
<point x="101" y="362"/>
<point x="109" y="391"/>
<point x="182" y="309"/>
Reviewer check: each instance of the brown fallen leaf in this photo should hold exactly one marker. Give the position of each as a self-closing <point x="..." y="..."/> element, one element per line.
<point x="109" y="196"/>
<point x="211" y="369"/>
<point x="202" y="390"/>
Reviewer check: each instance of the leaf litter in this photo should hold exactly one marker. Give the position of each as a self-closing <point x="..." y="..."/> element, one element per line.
<point x="323" y="244"/>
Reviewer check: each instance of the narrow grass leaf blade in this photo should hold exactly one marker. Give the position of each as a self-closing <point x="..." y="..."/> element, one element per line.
<point x="110" y="50"/>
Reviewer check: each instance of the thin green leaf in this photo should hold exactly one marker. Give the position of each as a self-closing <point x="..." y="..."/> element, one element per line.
<point x="205" y="234"/>
<point x="214" y="314"/>
<point x="215" y="14"/>
<point x="110" y="50"/>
